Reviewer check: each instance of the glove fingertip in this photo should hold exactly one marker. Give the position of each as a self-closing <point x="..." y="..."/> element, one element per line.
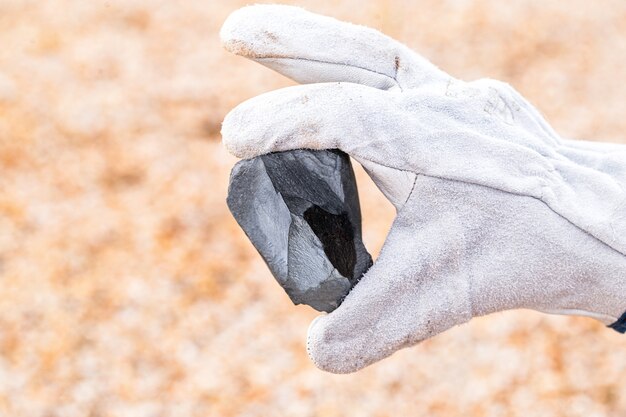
<point x="245" y="32"/>
<point x="325" y="353"/>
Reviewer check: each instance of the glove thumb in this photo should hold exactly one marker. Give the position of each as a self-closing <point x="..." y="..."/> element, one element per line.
<point x="414" y="290"/>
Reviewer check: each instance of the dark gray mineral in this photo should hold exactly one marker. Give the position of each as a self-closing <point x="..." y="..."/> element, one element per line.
<point x="301" y="211"/>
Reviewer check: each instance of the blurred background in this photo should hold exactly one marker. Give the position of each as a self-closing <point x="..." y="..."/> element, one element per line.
<point x="126" y="288"/>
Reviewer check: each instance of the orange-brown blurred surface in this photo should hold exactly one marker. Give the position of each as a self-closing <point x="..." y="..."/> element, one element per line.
<point x="126" y="288"/>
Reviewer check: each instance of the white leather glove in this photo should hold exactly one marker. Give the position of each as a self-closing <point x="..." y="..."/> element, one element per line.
<point x="495" y="210"/>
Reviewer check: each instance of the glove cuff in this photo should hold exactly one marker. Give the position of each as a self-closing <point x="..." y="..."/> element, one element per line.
<point x="619" y="325"/>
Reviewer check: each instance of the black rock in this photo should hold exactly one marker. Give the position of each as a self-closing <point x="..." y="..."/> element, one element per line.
<point x="301" y="211"/>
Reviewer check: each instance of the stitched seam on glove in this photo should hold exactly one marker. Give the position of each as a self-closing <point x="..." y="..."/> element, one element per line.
<point x="539" y="199"/>
<point x="417" y="175"/>
<point x="505" y="191"/>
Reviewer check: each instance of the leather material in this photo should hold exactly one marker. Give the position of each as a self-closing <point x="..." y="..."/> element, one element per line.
<point x="495" y="210"/>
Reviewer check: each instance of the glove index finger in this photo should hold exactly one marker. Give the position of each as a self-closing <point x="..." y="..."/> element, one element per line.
<point x="317" y="116"/>
<point x="310" y="48"/>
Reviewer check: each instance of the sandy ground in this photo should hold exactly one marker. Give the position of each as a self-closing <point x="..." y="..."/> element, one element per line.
<point x="126" y="289"/>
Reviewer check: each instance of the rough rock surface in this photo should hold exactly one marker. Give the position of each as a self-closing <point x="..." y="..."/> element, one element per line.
<point x="301" y="211"/>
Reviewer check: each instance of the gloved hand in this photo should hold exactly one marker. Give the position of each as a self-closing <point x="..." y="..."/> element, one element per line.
<point x="494" y="210"/>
